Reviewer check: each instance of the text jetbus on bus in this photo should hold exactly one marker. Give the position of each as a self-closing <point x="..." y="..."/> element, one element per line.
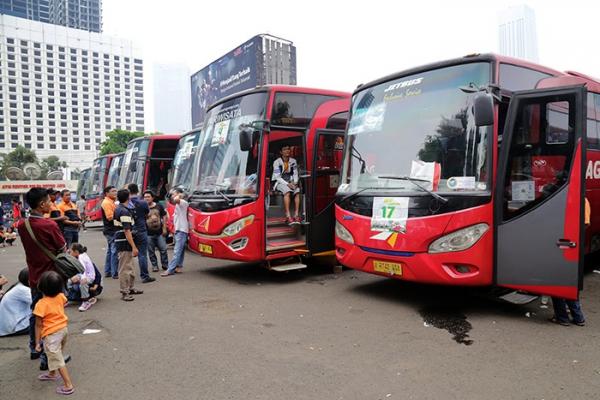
<point x="471" y="172"/>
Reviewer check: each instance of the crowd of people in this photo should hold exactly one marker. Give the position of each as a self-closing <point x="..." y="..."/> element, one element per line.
<point x="60" y="271"/>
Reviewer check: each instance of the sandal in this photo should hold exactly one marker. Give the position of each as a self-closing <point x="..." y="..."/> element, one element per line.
<point x="46" y="376"/>
<point x="65" y="390"/>
<point x="135" y="291"/>
<point x="167" y="274"/>
<point x="555" y="320"/>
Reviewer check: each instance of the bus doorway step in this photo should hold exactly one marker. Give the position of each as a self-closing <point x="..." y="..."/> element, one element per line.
<point x="286" y="264"/>
<point x="518" y="298"/>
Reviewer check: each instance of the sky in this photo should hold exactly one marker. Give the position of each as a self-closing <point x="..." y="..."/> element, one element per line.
<point x="341" y="44"/>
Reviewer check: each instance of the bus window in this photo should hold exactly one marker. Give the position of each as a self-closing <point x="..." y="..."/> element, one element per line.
<point x="337" y="121"/>
<point x="518" y="78"/>
<point x="539" y="157"/>
<point x="593" y="113"/>
<point x="296" y="109"/>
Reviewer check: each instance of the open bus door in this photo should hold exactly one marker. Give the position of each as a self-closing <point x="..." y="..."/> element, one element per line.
<point x="539" y="199"/>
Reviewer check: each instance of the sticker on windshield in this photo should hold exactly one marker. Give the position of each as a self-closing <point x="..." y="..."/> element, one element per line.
<point x="403" y="89"/>
<point x="221" y="129"/>
<point x="427" y="173"/>
<point x="390" y="214"/>
<point x="461" y="183"/>
<point x="367" y="119"/>
<point x="523" y="190"/>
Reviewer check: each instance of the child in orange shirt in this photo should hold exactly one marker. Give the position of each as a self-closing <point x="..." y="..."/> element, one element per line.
<point x="51" y="329"/>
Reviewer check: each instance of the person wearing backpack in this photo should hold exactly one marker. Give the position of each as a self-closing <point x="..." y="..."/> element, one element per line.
<point x="49" y="235"/>
<point x="140" y="212"/>
<point x="156" y="222"/>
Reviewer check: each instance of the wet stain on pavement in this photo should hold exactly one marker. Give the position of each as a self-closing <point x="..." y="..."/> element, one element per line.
<point x="450" y="320"/>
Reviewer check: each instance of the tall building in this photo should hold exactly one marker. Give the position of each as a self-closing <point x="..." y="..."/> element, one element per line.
<point x="262" y="60"/>
<point x="36" y="10"/>
<point x="518" y="33"/>
<point x="172" y="98"/>
<point x="79" y="14"/>
<point x="62" y="89"/>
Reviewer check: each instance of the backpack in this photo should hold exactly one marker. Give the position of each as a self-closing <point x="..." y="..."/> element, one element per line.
<point x="153" y="221"/>
<point x="66" y="265"/>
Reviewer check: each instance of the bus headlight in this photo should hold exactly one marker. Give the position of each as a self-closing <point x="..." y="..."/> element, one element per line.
<point x="237" y="226"/>
<point x="343" y="233"/>
<point x="459" y="240"/>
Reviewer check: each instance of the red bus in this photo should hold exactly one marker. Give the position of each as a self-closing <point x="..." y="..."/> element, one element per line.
<point x="471" y="172"/>
<point x="234" y="212"/>
<point x="148" y="162"/>
<point x="183" y="167"/>
<point x="96" y="184"/>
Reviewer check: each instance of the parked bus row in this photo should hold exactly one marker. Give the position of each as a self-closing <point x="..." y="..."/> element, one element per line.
<point x="471" y="172"/>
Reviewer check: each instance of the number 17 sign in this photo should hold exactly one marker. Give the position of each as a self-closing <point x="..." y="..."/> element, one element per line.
<point x="389" y="214"/>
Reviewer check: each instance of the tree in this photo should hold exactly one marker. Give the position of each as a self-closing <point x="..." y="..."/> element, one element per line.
<point x="50" y="164"/>
<point x="116" y="141"/>
<point x="17" y="158"/>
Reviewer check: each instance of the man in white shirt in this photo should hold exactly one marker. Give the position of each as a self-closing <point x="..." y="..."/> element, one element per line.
<point x="181" y="227"/>
<point x="285" y="175"/>
<point x="15" y="307"/>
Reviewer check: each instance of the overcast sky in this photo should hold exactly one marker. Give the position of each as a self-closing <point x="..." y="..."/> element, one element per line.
<point x="343" y="43"/>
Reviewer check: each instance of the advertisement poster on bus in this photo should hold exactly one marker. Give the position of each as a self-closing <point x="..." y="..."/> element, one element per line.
<point x="236" y="71"/>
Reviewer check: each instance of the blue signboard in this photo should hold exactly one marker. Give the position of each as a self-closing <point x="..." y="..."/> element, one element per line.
<point x="236" y="71"/>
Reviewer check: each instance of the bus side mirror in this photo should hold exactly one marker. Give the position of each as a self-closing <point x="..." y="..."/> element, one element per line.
<point x="246" y="138"/>
<point x="483" y="109"/>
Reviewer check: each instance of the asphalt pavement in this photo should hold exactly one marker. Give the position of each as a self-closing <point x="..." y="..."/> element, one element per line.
<point x="223" y="330"/>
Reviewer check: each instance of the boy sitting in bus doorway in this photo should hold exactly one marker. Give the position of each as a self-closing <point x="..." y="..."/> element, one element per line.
<point x="285" y="175"/>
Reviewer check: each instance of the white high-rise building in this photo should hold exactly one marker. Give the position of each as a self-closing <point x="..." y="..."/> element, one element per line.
<point x="62" y="89"/>
<point x="518" y="34"/>
<point x="172" y="98"/>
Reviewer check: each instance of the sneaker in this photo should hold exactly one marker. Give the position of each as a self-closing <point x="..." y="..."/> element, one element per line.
<point x="127" y="297"/>
<point x="92" y="300"/>
<point x="107" y="275"/>
<point x="154" y="269"/>
<point x="85" y="306"/>
<point x="148" y="279"/>
<point x="289" y="220"/>
<point x="297" y="220"/>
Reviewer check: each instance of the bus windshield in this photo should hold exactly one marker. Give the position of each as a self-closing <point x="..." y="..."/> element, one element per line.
<point x="184" y="160"/>
<point x="82" y="185"/>
<point x="223" y="166"/>
<point x="97" y="177"/>
<point x="132" y="170"/>
<point x="419" y="130"/>
<point x="114" y="170"/>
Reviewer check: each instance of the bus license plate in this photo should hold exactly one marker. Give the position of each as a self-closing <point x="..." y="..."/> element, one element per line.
<point x="388" y="267"/>
<point x="205" y="248"/>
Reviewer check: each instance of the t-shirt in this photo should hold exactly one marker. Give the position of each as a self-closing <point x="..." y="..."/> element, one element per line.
<point x="71" y="212"/>
<point x="108" y="211"/>
<point x="81" y="206"/>
<point x="48" y="234"/>
<point x="52" y="312"/>
<point x="141" y="209"/>
<point x="180" y="221"/>
<point x="123" y="221"/>
<point x="162" y="213"/>
<point x="15" y="309"/>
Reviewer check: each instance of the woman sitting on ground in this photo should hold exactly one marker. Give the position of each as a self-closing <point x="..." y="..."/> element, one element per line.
<point x="15" y="307"/>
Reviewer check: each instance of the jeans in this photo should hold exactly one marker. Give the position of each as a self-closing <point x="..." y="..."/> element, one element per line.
<point x="560" y="310"/>
<point x="141" y="242"/>
<point x="71" y="237"/>
<point x="111" y="262"/>
<point x="179" y="251"/>
<point x="36" y="296"/>
<point x="159" y="241"/>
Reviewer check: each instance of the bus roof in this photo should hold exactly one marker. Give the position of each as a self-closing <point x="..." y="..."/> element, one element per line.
<point x="488" y="57"/>
<point x="280" y="88"/>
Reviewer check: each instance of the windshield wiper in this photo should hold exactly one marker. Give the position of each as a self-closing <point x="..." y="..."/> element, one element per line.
<point x="414" y="182"/>
<point x="354" y="194"/>
<point x="355" y="153"/>
<point x="215" y="191"/>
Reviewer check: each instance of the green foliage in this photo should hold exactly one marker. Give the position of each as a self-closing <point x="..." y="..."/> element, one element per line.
<point x="116" y="141"/>
<point x="21" y="156"/>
